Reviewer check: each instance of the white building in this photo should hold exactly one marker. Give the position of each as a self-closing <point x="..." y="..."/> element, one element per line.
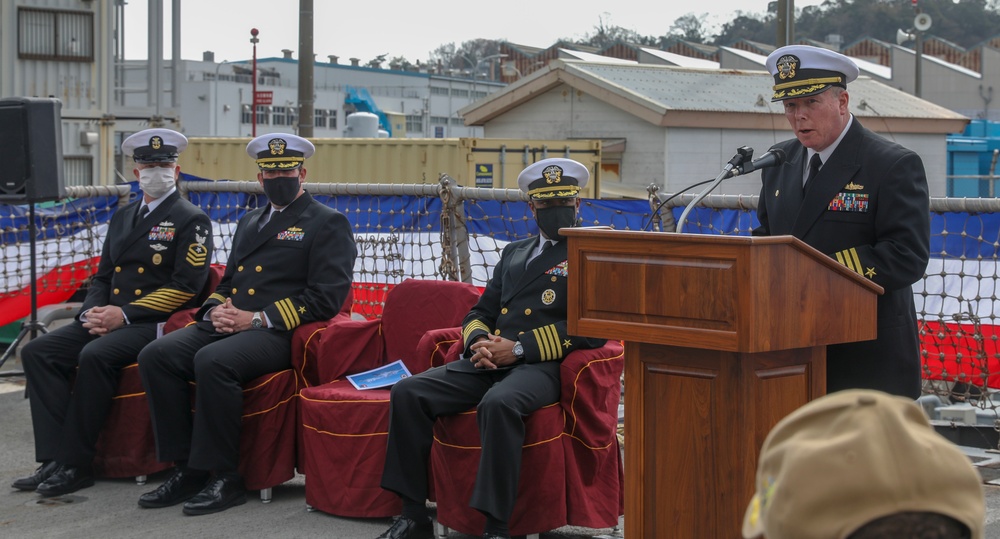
<point x="676" y="126"/>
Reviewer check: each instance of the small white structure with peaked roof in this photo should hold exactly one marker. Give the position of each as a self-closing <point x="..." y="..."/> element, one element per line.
<point x="676" y="126"/>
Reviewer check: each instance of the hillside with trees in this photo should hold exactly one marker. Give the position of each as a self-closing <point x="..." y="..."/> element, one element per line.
<point x="966" y="23"/>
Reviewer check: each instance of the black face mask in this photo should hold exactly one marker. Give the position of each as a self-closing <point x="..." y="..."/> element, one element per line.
<point x="281" y="190"/>
<point x="550" y="220"/>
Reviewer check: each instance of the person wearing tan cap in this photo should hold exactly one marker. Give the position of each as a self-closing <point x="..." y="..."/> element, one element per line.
<point x="856" y="197"/>
<point x="863" y="464"/>
<point x="515" y="338"/>
<point x="155" y="260"/>
<point x="292" y="262"/>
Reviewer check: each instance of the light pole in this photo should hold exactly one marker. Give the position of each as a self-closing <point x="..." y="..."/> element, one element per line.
<point x="253" y="107"/>
<point x="475" y="69"/>
<point x="215" y="100"/>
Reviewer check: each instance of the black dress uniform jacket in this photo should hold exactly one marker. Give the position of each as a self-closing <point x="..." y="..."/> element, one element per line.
<point x="150" y="269"/>
<point x="139" y="269"/>
<point x="525" y="302"/>
<point x="297" y="269"/>
<point x="868" y="208"/>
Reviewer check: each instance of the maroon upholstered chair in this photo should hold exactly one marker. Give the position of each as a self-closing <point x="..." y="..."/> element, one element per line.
<point x="571" y="470"/>
<point x="344" y="429"/>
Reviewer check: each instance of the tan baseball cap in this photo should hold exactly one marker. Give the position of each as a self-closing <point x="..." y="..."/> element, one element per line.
<point x="851" y="457"/>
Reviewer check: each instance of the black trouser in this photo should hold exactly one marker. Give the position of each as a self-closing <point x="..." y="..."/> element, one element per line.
<point x="210" y="438"/>
<point x="67" y="417"/>
<point x="502" y="400"/>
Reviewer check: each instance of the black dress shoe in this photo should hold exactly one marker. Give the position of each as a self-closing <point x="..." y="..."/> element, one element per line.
<point x="221" y="493"/>
<point x="179" y="487"/>
<point x="407" y="528"/>
<point x="66" y="479"/>
<point x="495" y="536"/>
<point x="41" y="474"/>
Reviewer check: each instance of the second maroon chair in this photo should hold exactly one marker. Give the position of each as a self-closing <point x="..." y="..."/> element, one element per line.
<point x="343" y="429"/>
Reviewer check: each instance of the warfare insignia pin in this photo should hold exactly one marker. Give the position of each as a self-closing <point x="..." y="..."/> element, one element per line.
<point x="853" y="187"/>
<point x="158" y="247"/>
<point x="552" y="174"/>
<point x="277" y="146"/>
<point x="157" y="259"/>
<point x="786" y="66"/>
<point x="166" y="223"/>
<point x="548" y="297"/>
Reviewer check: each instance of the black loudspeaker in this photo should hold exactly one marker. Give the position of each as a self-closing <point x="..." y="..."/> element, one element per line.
<point x="31" y="144"/>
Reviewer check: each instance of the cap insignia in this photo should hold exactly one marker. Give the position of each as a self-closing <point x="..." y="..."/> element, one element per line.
<point x="155" y="142"/>
<point x="786" y="66"/>
<point x="277" y="146"/>
<point x="552" y="174"/>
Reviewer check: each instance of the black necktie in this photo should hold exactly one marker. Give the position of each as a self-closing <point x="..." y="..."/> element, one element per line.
<point x="264" y="218"/>
<point x="545" y="245"/>
<point x="139" y="215"/>
<point x="814" y="165"/>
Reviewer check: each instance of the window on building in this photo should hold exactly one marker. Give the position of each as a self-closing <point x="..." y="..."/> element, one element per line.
<point x="439" y="120"/>
<point x="279" y="116"/>
<point x="245" y="116"/>
<point x="319" y="118"/>
<point x="292" y="115"/>
<point x="44" y="34"/>
<point x="457" y="92"/>
<point x="263" y="114"/>
<point x="333" y="119"/>
<point x="414" y="124"/>
<point x="458" y="121"/>
<point x="439" y="91"/>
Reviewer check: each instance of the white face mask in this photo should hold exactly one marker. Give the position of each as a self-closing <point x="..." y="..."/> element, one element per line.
<point x="156" y="181"/>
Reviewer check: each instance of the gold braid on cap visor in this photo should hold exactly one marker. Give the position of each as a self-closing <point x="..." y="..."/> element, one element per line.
<point x="553" y="192"/>
<point x="280" y="162"/>
<point x="803" y="87"/>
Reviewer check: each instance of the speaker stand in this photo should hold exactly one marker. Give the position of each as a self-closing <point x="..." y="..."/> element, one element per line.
<point x="32" y="325"/>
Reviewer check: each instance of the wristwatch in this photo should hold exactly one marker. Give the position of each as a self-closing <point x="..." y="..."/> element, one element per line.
<point x="518" y="350"/>
<point x="258" y="321"/>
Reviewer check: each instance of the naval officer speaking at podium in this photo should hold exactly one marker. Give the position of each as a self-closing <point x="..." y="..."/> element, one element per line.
<point x="856" y="197"/>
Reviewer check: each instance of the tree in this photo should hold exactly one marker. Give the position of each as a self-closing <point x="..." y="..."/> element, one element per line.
<point x="605" y="35"/>
<point x="377" y="61"/>
<point x="689" y="27"/>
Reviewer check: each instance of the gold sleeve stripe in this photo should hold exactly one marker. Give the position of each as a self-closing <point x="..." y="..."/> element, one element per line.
<point x="548" y="342"/>
<point x="219" y="297"/>
<point x="857" y="261"/>
<point x="849" y="258"/>
<point x="287" y="310"/>
<point x="164" y="299"/>
<point x="472" y="326"/>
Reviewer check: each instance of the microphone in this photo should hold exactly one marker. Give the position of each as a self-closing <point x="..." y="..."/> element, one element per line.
<point x="743" y="154"/>
<point x="772" y="158"/>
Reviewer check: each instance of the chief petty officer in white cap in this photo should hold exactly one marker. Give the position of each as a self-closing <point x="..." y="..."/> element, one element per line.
<point x="155" y="260"/>
<point x="292" y="262"/>
<point x="515" y="338"/>
<point x="860" y="199"/>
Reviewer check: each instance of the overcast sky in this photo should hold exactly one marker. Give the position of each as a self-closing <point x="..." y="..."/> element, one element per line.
<point x="409" y="28"/>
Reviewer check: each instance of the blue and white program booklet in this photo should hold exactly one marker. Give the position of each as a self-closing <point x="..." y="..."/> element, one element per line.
<point x="383" y="376"/>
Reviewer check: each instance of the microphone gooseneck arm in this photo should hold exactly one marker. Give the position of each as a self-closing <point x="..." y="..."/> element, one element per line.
<point x="742" y="155"/>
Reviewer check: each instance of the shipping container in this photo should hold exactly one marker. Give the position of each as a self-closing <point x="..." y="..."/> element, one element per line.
<point x="471" y="162"/>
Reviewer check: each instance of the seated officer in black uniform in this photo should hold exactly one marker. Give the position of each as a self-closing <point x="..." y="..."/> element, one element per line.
<point x="515" y="337"/>
<point x="291" y="263"/>
<point x="155" y="260"/>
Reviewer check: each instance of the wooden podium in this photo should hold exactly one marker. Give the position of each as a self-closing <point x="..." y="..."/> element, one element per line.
<point x="725" y="335"/>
